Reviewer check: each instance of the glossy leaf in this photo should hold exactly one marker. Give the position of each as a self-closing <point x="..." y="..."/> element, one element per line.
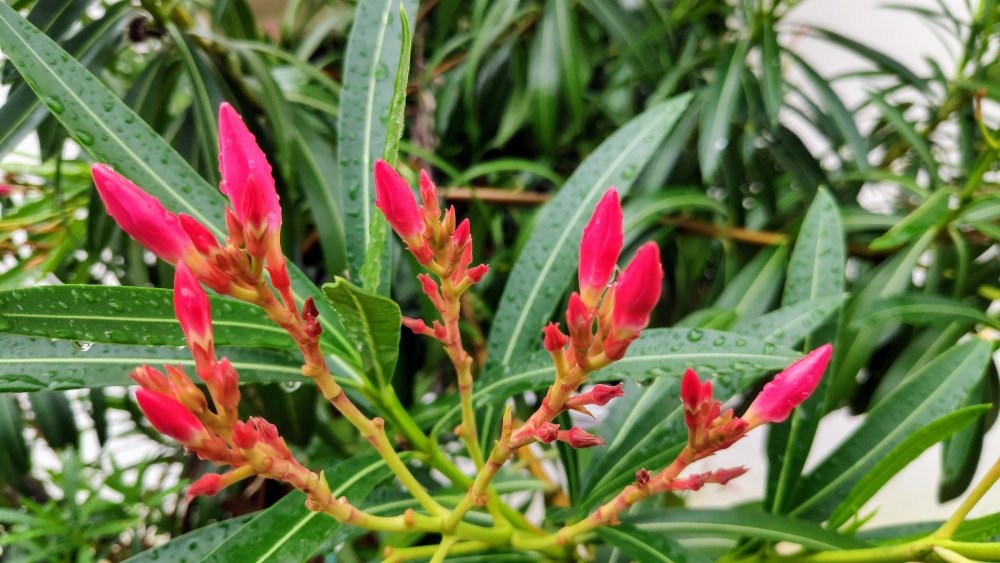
<point x="288" y="531"/>
<point x="921" y="309"/>
<point x="54" y="419"/>
<point x="772" y="86"/>
<point x="15" y="462"/>
<point x="128" y="315"/>
<point x="789" y="325"/>
<point x="548" y="261"/>
<point x="642" y="545"/>
<point x="752" y="290"/>
<point x="928" y="216"/>
<point x="372" y="59"/>
<point x="901" y="456"/>
<point x="937" y="389"/>
<point x="717" y="114"/>
<point x="36" y="364"/>
<point x="194" y="545"/>
<point x="373" y="322"/>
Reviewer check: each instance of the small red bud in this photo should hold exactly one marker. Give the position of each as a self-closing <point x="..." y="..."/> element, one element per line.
<point x="207" y="485"/>
<point x="477" y="273"/>
<point x="579" y="438"/>
<point x="169" y="417"/>
<point x="203" y="239"/>
<point x="554" y="340"/>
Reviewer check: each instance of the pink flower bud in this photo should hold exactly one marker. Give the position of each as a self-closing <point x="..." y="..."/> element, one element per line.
<point x="429" y="196"/>
<point x="430" y="289"/>
<point x="599" y="248"/>
<point x="638" y="290"/>
<point x="580" y="322"/>
<point x="244" y="435"/>
<point x="192" y="308"/>
<point x="394" y="198"/>
<point x="141" y="215"/>
<point x="789" y="388"/>
<point x="546" y="433"/>
<point x="699" y="408"/>
<point x="477" y="273"/>
<point x="246" y="174"/>
<point x="725" y="475"/>
<point x="6" y="190"/>
<point x="235" y="229"/>
<point x="579" y="438"/>
<point x="460" y="238"/>
<point x="554" y="340"/>
<point x="170" y="417"/>
<point x="199" y="234"/>
<point x="601" y="393"/>
<point x="228" y="383"/>
<point x="207" y="485"/>
<point x="152" y="379"/>
<point x="417" y="326"/>
<point x="309" y="310"/>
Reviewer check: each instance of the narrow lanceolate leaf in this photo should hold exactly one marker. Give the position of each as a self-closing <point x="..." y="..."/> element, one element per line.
<point x="193" y="546"/>
<point x="664" y="352"/>
<point x="15" y="463"/>
<point x="937" y="389"/>
<point x="548" y="261"/>
<point x="789" y="325"/>
<point x="315" y="165"/>
<point x="921" y="309"/>
<point x="35" y="364"/>
<point x="815" y="275"/>
<point x="929" y="215"/>
<point x="128" y="315"/>
<point x="717" y="113"/>
<point x="752" y="290"/>
<point x="372" y="59"/>
<point x="288" y="531"/>
<point x="739" y="523"/>
<point x="371" y="321"/>
<point x="643" y="545"/>
<point x="901" y="456"/>
<point x="377" y="269"/>
<point x="111" y="132"/>
<point x="909" y="133"/>
<point x="772" y="84"/>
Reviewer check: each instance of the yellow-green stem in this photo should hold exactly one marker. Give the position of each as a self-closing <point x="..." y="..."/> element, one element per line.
<point x="988" y="480"/>
<point x="395" y="554"/>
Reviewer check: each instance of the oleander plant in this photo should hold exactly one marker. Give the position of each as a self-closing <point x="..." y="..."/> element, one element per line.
<point x="241" y="321"/>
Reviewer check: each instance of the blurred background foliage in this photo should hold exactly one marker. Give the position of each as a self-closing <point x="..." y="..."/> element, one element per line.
<point x="505" y="100"/>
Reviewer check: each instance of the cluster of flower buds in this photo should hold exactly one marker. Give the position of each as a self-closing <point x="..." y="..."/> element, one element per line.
<point x="549" y="432"/>
<point x="253" y="220"/>
<point x="623" y="310"/>
<point x="176" y="407"/>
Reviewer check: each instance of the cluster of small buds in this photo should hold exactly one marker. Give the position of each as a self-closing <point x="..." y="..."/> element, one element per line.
<point x="176" y="407"/>
<point x="708" y="429"/>
<point x="549" y="432"/>
<point x="253" y="221"/>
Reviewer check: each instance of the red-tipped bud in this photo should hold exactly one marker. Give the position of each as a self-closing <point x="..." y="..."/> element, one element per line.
<point x="422" y="252"/>
<point x="394" y="198"/>
<point x="207" y="485"/>
<point x="723" y="476"/>
<point x="142" y="216"/>
<point x="228" y="383"/>
<point x="599" y="248"/>
<point x="244" y="435"/>
<point x="642" y="478"/>
<point x="634" y="296"/>
<point x="170" y="417"/>
<point x="418" y="326"/>
<point x="448" y="223"/>
<point x="546" y="433"/>
<point x="203" y="239"/>
<point x="278" y="270"/>
<point x="429" y="196"/>
<point x="580" y="322"/>
<point x="579" y="438"/>
<point x="246" y="174"/>
<point x="477" y="273"/>
<point x="789" y="388"/>
<point x="554" y="340"/>
<point x="192" y="308"/>
<point x="309" y="310"/>
<point x="460" y="238"/>
<point x="152" y="379"/>
<point x="600" y="395"/>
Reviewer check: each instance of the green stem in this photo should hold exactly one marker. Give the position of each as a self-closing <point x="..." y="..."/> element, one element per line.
<point x="988" y="480"/>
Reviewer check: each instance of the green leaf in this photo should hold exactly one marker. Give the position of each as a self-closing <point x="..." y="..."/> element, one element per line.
<point x="15" y="463"/>
<point x="111" y="132"/>
<point x="372" y="60"/>
<point x="901" y="456"/>
<point x="373" y="322"/>
<point x="194" y="545"/>
<point x="128" y="315"/>
<point x="884" y="62"/>
<point x="36" y="364"/>
<point x="772" y="84"/>
<point x="929" y="216"/>
<point x="717" y="113"/>
<point x="909" y="133"/>
<point x="645" y="546"/>
<point x="921" y="309"/>
<point x="842" y="117"/>
<point x="739" y="523"/>
<point x="288" y="531"/>
<point x="937" y="389"/>
<point x="789" y="325"/>
<point x="752" y="290"/>
<point x="548" y="261"/>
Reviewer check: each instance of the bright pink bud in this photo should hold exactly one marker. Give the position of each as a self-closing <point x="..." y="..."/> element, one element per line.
<point x="418" y="326"/>
<point x="141" y="215"/>
<point x="246" y="174"/>
<point x="228" y="383"/>
<point x="600" y="246"/>
<point x="477" y="273"/>
<point x="789" y="388"/>
<point x="638" y="290"/>
<point x="309" y="310"/>
<point x="554" y="340"/>
<point x="603" y="393"/>
<point x="244" y="435"/>
<point x="235" y="229"/>
<point x="199" y="234"/>
<point x="461" y="236"/>
<point x="579" y="438"/>
<point x="429" y="196"/>
<point x="430" y="289"/>
<point x="192" y="308"/>
<point x="394" y="198"/>
<point x="725" y="475"/>
<point x="169" y="416"/>
<point x="699" y="408"/>
<point x="6" y="190"/>
<point x="546" y="433"/>
<point x="580" y="322"/>
<point x="207" y="485"/>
